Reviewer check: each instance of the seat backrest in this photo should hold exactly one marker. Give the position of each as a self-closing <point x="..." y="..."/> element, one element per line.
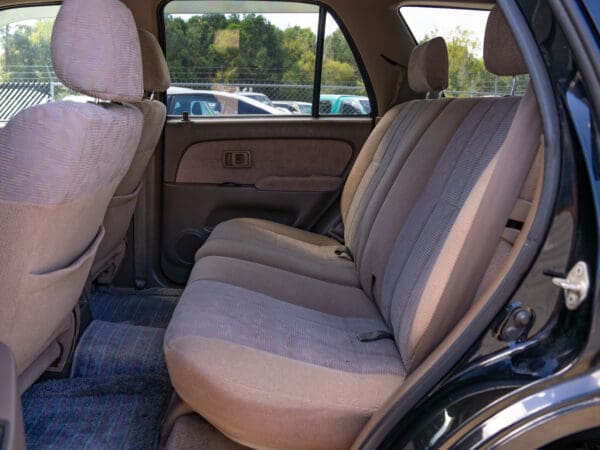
<point x="121" y="208"/>
<point x="60" y="164"/>
<point x="391" y="142"/>
<point x="449" y="235"/>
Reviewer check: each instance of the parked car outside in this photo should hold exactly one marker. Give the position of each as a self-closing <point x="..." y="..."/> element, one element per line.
<point x="258" y="96"/>
<point x="303" y="108"/>
<point x="344" y="105"/>
<point x="212" y="103"/>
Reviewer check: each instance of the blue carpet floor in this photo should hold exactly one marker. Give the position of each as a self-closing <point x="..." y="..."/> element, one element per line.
<point x="108" y="348"/>
<point x="150" y="307"/>
<point x="119" y="387"/>
<point x="118" y="412"/>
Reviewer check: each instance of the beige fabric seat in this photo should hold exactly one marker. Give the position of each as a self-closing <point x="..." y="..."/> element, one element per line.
<point x="380" y="160"/>
<point x="60" y="164"/>
<point x="121" y="207"/>
<point x="272" y="367"/>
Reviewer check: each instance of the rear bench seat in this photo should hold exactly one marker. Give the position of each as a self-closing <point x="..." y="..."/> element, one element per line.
<point x="279" y="357"/>
<point x="378" y="164"/>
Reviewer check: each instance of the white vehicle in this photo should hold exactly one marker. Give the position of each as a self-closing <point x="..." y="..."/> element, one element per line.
<point x="303" y="108"/>
<point x="258" y="96"/>
<point x="211" y="103"/>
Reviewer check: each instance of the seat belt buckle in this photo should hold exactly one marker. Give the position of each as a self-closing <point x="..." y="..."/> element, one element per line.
<point x="344" y="252"/>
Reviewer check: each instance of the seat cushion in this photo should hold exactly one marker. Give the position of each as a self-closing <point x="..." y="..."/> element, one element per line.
<point x="330" y="298"/>
<point x="250" y="366"/>
<point x="281" y="246"/>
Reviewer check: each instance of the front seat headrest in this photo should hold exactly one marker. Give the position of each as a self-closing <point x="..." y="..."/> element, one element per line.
<point x="96" y="50"/>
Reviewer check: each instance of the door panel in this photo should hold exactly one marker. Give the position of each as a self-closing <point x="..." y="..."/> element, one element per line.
<point x="250" y="162"/>
<point x="286" y="170"/>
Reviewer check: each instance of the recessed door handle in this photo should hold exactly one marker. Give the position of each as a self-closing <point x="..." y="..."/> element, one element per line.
<point x="237" y="160"/>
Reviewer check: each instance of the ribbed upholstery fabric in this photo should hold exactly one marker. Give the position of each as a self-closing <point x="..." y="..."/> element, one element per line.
<point x="192" y="432"/>
<point x="117" y="412"/>
<point x="108" y="348"/>
<point x="377" y="165"/>
<point x="428" y="66"/>
<point x="416" y="119"/>
<point x="70" y="152"/>
<point x="254" y="320"/>
<point x="281" y="246"/>
<point x="60" y="164"/>
<point x="427" y="227"/>
<point x="121" y="208"/>
<point x="501" y="53"/>
<point x="271" y="370"/>
<point x="156" y="70"/>
<point x="396" y="195"/>
<point x="102" y="60"/>
<point x="287" y="286"/>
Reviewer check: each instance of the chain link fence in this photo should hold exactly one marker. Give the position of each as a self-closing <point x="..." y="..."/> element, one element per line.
<point x="277" y="92"/>
<point x="26" y="86"/>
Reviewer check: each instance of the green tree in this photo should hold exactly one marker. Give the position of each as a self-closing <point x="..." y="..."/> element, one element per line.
<point x="298" y="46"/>
<point x="466" y="71"/>
<point x="337" y="73"/>
<point x="337" y="51"/>
<point x="27" y="51"/>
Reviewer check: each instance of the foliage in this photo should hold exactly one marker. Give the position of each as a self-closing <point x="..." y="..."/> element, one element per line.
<point x="27" y="49"/>
<point x="217" y="48"/>
<point x="466" y="71"/>
<point x="262" y="54"/>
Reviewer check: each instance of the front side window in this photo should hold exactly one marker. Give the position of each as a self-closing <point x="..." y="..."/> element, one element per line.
<point x="257" y="58"/>
<point x="463" y="31"/>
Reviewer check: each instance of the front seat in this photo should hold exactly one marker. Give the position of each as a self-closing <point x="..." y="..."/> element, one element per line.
<point x="121" y="207"/>
<point x="60" y="164"/>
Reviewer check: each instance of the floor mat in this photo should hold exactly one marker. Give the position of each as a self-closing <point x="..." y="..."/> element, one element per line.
<point x="118" y="412"/>
<point x="108" y="348"/>
<point x="149" y="307"/>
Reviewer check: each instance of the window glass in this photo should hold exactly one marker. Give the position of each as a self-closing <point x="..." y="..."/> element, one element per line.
<point x="342" y="88"/>
<point x="26" y="74"/>
<point x="256" y="57"/>
<point x="463" y="31"/>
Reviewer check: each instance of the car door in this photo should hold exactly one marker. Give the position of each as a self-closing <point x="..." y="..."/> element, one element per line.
<point x="281" y="167"/>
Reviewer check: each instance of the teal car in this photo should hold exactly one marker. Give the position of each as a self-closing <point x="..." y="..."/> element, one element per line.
<point x="344" y="105"/>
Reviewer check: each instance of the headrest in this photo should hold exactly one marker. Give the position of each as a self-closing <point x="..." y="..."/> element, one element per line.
<point x="501" y="53"/>
<point x="428" y="66"/>
<point x="156" y="71"/>
<point x="96" y="50"/>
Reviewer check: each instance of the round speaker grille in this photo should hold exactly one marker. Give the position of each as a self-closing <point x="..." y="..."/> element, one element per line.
<point x="188" y="244"/>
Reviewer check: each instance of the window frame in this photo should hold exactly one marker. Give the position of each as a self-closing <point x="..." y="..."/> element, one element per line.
<point x="319" y="59"/>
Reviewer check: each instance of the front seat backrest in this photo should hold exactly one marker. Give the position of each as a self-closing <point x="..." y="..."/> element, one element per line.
<point x="121" y="207"/>
<point x="60" y="164"/>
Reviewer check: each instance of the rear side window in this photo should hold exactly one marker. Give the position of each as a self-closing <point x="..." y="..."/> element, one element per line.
<point x="262" y="56"/>
<point x="26" y="74"/>
<point x="464" y="32"/>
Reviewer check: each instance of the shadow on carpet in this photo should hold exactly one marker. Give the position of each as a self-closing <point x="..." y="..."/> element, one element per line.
<point x="149" y="307"/>
<point x="116" y="412"/>
<point x="107" y="349"/>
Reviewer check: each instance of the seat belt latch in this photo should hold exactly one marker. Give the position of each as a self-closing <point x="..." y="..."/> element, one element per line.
<point x="371" y="336"/>
<point x="344" y="252"/>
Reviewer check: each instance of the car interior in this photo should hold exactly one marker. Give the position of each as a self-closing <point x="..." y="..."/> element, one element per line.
<point x="232" y="282"/>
